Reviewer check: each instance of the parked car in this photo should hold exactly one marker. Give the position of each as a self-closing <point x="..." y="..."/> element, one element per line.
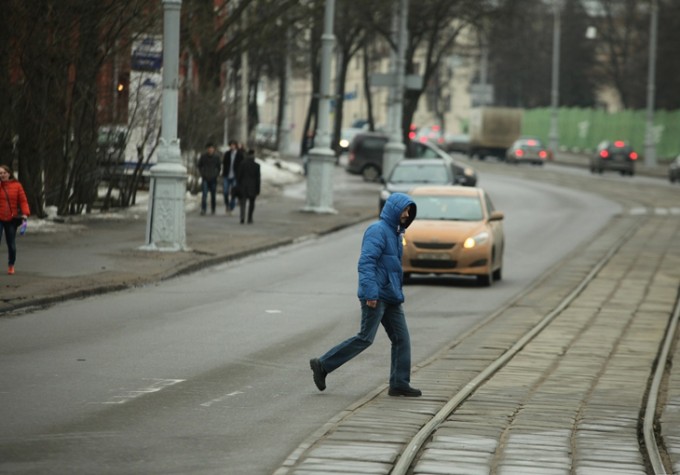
<point x="457" y="230"/>
<point x="366" y="157"/>
<point x="346" y="136"/>
<point x="674" y="170"/>
<point x="615" y="155"/>
<point x="407" y="174"/>
<point x="527" y="150"/>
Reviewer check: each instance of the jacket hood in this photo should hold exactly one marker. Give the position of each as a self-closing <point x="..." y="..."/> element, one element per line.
<point x="394" y="206"/>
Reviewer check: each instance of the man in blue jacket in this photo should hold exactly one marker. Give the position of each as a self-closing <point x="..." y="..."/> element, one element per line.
<point x="381" y="296"/>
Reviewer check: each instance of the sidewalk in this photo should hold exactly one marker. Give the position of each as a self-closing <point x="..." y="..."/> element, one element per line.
<point x="98" y="253"/>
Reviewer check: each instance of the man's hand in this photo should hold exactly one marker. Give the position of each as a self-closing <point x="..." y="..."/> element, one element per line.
<point x="372" y="303"/>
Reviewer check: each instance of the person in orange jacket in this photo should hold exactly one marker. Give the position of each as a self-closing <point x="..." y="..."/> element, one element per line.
<point x="14" y="211"/>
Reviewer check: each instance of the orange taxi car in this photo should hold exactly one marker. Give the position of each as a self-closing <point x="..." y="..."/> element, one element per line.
<point x="456" y="231"/>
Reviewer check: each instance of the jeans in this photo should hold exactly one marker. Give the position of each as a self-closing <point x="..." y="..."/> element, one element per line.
<point x="10" y="231"/>
<point x="394" y="321"/>
<point x="208" y="186"/>
<point x="227" y="183"/>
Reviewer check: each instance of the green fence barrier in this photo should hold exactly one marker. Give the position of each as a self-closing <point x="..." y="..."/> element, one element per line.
<point x="582" y="129"/>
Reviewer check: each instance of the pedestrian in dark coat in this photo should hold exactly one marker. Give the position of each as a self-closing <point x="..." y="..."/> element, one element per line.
<point x="248" y="184"/>
<point x="14" y="212"/>
<point x="230" y="164"/>
<point x="209" y="168"/>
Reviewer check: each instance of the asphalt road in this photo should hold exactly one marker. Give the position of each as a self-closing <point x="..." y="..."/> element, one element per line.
<point x="208" y="373"/>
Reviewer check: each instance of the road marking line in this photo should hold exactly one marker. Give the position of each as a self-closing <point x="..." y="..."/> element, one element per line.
<point x="220" y="399"/>
<point x="273" y="311"/>
<point x="133" y="394"/>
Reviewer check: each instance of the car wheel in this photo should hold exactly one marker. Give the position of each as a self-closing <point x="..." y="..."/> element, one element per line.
<point x="370" y="173"/>
<point x="498" y="274"/>
<point x="407" y="277"/>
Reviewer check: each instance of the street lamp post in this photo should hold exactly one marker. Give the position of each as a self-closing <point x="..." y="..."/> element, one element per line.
<point x="650" y="139"/>
<point x="165" y="229"/>
<point x="395" y="148"/>
<point x="321" y="157"/>
<point x="554" y="137"/>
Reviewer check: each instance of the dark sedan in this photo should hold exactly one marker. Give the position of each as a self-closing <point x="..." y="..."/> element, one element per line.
<point x="527" y="150"/>
<point x="617" y="156"/>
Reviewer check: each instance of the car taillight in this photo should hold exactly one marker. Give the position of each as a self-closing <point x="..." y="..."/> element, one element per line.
<point x="542" y="154"/>
<point x="619" y="143"/>
<point x="604" y="154"/>
<point x="633" y="156"/>
<point x="411" y="135"/>
<point x="531" y="142"/>
<point x="519" y="152"/>
<point x="423" y="139"/>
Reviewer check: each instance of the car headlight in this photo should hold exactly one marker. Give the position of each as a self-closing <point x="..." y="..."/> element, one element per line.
<point x="384" y="194"/>
<point x="344" y="143"/>
<point x="480" y="238"/>
<point x="469" y="171"/>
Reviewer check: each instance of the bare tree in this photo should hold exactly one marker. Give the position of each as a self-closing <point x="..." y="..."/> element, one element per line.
<point x="350" y="30"/>
<point x="623" y="35"/>
<point x="59" y="48"/>
<point x="433" y="29"/>
<point x="216" y="38"/>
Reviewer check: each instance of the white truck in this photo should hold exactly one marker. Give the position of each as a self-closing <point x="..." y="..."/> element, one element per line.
<point x="493" y="130"/>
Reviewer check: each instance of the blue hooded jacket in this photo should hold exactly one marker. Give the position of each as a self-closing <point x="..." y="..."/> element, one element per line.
<point x="380" y="270"/>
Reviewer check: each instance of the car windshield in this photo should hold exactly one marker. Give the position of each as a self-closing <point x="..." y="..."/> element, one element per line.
<point x="420" y="174"/>
<point x="449" y="208"/>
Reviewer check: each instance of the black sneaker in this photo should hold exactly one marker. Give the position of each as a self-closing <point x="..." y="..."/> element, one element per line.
<point x="319" y="373"/>
<point x="406" y="392"/>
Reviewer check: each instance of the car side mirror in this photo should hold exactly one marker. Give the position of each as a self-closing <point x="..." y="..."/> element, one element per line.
<point x="496" y="216"/>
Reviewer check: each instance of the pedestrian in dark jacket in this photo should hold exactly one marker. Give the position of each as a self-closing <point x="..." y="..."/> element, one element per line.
<point x="248" y="184"/>
<point x="14" y="212"/>
<point x="230" y="164"/>
<point x="381" y="296"/>
<point x="209" y="167"/>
